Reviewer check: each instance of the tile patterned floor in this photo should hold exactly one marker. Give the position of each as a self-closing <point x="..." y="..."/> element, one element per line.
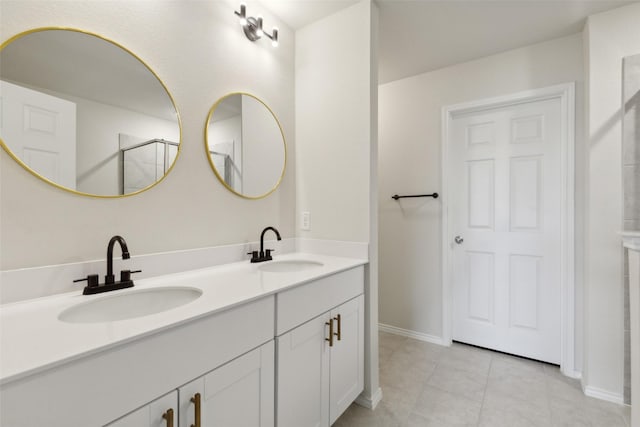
<point x="428" y="385"/>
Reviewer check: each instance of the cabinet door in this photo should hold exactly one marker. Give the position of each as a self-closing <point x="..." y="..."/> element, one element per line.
<point x="237" y="394"/>
<point x="347" y="356"/>
<point x="162" y="412"/>
<point x="303" y="375"/>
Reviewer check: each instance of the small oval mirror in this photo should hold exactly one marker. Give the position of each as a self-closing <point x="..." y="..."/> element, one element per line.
<point x="85" y="114"/>
<point x="245" y="145"/>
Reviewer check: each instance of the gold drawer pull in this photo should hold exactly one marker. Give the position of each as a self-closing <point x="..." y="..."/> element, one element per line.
<point x="330" y="339"/>
<point x="196" y="401"/>
<point x="169" y="417"/>
<point x="339" y="334"/>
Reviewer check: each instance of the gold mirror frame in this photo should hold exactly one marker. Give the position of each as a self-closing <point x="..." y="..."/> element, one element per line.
<point x="213" y="167"/>
<point x="144" y="64"/>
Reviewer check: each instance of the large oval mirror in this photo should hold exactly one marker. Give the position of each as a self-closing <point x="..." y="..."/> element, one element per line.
<point x="84" y="113"/>
<point x="245" y="145"/>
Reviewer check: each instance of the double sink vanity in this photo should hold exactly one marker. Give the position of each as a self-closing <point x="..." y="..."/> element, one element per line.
<point x="279" y="343"/>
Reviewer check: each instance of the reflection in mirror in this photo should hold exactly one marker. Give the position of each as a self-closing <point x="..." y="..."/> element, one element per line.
<point x="84" y="113"/>
<point x="245" y="145"/>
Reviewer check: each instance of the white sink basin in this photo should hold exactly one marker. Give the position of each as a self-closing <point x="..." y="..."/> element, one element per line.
<point x="289" y="266"/>
<point x="129" y="305"/>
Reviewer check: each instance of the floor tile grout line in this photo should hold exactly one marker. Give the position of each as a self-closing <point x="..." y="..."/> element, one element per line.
<point x="548" y="393"/>
<point x="484" y="393"/>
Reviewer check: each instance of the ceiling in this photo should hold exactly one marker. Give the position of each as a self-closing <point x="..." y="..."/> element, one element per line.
<point x="422" y="35"/>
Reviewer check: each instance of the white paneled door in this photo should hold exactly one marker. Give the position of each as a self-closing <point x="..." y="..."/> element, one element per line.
<point x="41" y="130"/>
<point x="505" y="219"/>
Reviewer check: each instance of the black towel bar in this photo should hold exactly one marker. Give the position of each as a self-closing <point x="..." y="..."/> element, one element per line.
<point x="396" y="197"/>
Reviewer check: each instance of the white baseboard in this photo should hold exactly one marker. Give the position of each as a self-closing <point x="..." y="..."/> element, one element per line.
<point x="370" y="402"/>
<point x="57" y="279"/>
<point x="412" y="334"/>
<point x="604" y="395"/>
<point x="577" y="375"/>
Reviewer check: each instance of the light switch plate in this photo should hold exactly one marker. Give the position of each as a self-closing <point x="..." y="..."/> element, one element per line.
<point x="306" y="220"/>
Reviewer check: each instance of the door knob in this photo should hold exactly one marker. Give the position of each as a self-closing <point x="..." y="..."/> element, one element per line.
<point x="458" y="239"/>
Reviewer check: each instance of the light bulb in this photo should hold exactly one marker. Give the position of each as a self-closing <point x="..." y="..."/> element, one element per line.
<point x="274" y="43"/>
<point x="242" y="14"/>
<point x="259" y="31"/>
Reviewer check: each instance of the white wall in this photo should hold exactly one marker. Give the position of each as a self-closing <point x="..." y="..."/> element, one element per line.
<point x="262" y="149"/>
<point x="336" y="143"/>
<point x="410" y="163"/>
<point x="609" y="37"/>
<point x="200" y="52"/>
<point x="333" y="102"/>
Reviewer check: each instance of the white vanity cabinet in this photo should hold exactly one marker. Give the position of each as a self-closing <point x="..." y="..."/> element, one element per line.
<point x="103" y="387"/>
<point x="212" y="362"/>
<point x="162" y="412"/>
<point x="318" y="374"/>
<point x="238" y="394"/>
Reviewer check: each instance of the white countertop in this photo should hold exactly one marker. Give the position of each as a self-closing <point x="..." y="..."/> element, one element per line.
<point x="32" y="339"/>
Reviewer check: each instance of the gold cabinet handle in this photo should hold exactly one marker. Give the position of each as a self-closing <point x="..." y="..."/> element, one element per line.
<point x="339" y="333"/>
<point x="330" y="339"/>
<point x="169" y="417"/>
<point x="196" y="400"/>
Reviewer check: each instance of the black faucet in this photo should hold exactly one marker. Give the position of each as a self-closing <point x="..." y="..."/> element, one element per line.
<point x="264" y="255"/>
<point x="108" y="279"/>
<point x="94" y="287"/>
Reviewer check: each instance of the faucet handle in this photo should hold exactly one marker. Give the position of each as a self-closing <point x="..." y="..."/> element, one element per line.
<point x="125" y="275"/>
<point x="254" y="255"/>
<point x="91" y="279"/>
<point x="267" y="255"/>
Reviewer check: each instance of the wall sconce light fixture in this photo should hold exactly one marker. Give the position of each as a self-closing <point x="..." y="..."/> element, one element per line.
<point x="253" y="27"/>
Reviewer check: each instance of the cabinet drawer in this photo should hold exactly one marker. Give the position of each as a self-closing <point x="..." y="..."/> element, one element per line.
<point x="300" y="304"/>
